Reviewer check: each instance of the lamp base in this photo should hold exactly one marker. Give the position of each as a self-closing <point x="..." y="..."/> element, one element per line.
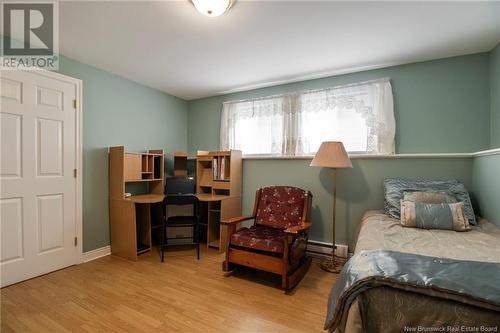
<point x="332" y="265"/>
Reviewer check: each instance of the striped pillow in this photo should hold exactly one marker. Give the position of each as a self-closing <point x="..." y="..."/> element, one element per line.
<point x="429" y="197"/>
<point x="446" y="216"/>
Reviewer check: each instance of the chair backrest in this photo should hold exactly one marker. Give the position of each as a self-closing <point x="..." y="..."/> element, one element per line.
<point x="179" y="190"/>
<point x="281" y="207"/>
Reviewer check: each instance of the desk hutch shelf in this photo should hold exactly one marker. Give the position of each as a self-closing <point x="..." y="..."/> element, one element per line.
<point x="180" y="164"/>
<point x="133" y="218"/>
<point x="218" y="188"/>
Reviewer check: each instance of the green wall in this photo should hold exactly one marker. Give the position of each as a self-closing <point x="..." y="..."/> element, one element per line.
<point x="486" y="169"/>
<point x="486" y="186"/>
<point x="440" y="105"/>
<point x="495" y="96"/>
<point x="358" y="189"/>
<point x="119" y="112"/>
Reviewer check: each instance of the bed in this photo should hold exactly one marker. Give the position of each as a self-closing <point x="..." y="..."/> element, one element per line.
<point x="388" y="309"/>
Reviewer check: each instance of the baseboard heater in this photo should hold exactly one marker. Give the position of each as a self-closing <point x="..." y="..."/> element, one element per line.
<point x="323" y="249"/>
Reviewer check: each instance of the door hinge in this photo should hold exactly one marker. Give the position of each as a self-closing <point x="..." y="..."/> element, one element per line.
<point x="74" y="103"/>
<point x="75" y="172"/>
<point x="76" y="241"/>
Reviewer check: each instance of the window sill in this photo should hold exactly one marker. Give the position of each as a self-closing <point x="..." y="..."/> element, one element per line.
<point x="364" y="156"/>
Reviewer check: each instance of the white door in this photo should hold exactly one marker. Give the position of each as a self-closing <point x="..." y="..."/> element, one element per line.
<point x="38" y="185"/>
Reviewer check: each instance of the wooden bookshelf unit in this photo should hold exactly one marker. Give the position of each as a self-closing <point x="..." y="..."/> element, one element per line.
<point x="132" y="218"/>
<point x="218" y="188"/>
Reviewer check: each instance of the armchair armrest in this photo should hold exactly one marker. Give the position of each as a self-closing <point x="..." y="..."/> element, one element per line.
<point x="298" y="228"/>
<point x="236" y="220"/>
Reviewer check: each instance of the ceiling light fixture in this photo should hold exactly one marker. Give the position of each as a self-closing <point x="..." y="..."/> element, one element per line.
<point x="212" y="8"/>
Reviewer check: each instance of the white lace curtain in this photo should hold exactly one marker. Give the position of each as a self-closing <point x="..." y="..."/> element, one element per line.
<point x="361" y="115"/>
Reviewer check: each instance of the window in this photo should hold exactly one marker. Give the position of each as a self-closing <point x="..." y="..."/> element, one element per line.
<point x="361" y="116"/>
<point x="344" y="125"/>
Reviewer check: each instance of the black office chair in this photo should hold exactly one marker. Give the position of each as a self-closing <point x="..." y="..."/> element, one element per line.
<point x="180" y="191"/>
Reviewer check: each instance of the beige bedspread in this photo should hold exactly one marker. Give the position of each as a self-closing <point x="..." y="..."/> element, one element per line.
<point x="392" y="310"/>
<point x="378" y="231"/>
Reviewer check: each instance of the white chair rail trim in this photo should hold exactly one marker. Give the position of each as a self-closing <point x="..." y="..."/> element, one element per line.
<point x="489" y="152"/>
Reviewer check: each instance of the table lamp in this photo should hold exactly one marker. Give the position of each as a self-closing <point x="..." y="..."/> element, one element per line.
<point x="332" y="154"/>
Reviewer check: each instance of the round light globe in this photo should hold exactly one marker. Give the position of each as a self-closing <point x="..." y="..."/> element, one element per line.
<point x="212" y="8"/>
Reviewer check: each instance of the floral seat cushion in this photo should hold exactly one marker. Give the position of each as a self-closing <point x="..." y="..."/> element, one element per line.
<point x="280" y="207"/>
<point x="259" y="237"/>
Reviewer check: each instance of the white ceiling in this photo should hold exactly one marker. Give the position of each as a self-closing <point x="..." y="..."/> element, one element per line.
<point x="171" y="47"/>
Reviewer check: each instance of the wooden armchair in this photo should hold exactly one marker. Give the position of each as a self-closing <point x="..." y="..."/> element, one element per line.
<point x="277" y="240"/>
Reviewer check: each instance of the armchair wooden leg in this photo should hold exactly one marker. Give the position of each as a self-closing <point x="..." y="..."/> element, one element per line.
<point x="284" y="273"/>
<point x="225" y="265"/>
<point x="283" y="281"/>
<point x="229" y="230"/>
<point x="294" y="278"/>
<point x="230" y="271"/>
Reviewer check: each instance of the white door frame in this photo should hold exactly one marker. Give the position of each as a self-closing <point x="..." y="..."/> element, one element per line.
<point x="78" y="153"/>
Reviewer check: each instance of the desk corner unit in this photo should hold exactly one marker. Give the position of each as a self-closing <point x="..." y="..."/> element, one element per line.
<point x="132" y="218"/>
<point x="218" y="188"/>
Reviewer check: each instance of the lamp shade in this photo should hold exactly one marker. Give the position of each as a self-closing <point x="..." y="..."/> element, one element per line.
<point x="331" y="154"/>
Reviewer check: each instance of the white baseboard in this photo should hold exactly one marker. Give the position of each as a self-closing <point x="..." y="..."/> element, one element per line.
<point x="97" y="253"/>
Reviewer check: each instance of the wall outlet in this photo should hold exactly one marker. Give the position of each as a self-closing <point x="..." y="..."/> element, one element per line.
<point x="341" y="251"/>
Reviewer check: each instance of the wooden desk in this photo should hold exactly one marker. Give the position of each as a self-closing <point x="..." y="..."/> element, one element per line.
<point x="210" y="197"/>
<point x="146" y="198"/>
<point x="131" y="224"/>
<point x="219" y="207"/>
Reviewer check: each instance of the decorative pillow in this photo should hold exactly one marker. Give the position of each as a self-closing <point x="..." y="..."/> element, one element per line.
<point x="394" y="189"/>
<point x="434" y="216"/>
<point x="428" y="197"/>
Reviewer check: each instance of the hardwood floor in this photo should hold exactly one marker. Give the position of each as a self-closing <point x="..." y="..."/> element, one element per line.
<point x="180" y="295"/>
